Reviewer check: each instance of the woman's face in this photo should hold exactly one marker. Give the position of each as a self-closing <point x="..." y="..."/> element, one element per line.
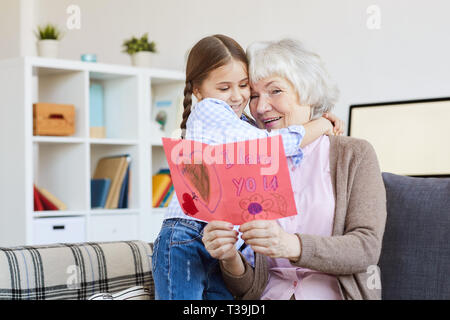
<point x="274" y="103"/>
<point x="228" y="83"/>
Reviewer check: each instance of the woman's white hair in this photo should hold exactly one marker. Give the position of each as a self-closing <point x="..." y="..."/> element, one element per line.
<point x="289" y="59"/>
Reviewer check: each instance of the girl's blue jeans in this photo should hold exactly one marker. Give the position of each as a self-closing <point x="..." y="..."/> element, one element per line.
<point x="182" y="267"/>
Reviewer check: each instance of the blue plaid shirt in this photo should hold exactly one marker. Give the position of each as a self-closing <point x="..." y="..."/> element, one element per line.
<point x="213" y="121"/>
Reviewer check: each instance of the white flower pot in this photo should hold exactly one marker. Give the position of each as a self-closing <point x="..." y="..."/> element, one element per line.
<point x="141" y="59"/>
<point x="48" y="48"/>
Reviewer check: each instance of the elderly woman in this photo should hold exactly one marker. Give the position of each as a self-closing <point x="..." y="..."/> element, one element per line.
<point x="325" y="251"/>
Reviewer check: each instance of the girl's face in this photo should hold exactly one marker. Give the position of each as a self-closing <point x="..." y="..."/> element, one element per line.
<point x="228" y="83"/>
<point x="274" y="103"/>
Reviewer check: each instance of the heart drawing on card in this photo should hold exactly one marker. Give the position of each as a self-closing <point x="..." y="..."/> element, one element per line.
<point x="188" y="204"/>
<point x="203" y="182"/>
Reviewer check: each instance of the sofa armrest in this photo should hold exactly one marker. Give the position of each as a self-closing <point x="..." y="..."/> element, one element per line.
<point x="74" y="271"/>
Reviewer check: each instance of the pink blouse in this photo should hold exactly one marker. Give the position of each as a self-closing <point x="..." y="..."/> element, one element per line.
<point x="313" y="192"/>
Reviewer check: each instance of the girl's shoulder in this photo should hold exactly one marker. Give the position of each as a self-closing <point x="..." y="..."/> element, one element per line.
<point x="210" y="108"/>
<point x="216" y="107"/>
<point x="208" y="102"/>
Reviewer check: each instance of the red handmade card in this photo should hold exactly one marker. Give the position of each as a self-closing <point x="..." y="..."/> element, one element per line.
<point x="234" y="182"/>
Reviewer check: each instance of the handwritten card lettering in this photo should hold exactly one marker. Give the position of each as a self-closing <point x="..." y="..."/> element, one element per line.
<point x="234" y="182"/>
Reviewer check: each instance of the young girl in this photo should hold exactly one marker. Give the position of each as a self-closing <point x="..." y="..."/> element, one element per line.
<point x="216" y="74"/>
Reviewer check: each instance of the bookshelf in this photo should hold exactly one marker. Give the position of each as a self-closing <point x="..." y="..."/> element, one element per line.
<point x="65" y="165"/>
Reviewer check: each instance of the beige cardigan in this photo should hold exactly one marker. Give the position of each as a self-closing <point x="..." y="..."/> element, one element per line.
<point x="359" y="221"/>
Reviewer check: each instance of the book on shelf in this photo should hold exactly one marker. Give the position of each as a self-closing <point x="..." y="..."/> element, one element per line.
<point x="50" y="196"/>
<point x="48" y="205"/>
<point x="114" y="168"/>
<point x="44" y="200"/>
<point x="38" y="206"/>
<point x="125" y="189"/>
<point x="96" y="111"/>
<point x="99" y="192"/>
<point x="167" y="197"/>
<point x="161" y="182"/>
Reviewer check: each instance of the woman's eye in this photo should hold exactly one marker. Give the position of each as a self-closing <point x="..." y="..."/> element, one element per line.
<point x="223" y="89"/>
<point x="244" y="85"/>
<point x="276" y="91"/>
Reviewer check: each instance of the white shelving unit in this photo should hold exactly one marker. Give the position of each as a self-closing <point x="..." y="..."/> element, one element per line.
<point x="65" y="165"/>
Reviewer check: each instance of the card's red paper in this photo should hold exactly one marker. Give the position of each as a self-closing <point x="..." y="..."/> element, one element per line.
<point x="234" y="182"/>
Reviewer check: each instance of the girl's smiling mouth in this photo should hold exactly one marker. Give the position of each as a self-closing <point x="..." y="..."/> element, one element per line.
<point x="236" y="107"/>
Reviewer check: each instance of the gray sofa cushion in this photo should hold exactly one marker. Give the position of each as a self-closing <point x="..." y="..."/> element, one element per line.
<point x="415" y="257"/>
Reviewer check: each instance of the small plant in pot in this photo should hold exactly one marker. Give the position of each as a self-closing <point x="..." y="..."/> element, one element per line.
<point x="140" y="50"/>
<point x="48" y="40"/>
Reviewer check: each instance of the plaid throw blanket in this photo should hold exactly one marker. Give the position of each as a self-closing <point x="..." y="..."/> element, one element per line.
<point x="74" y="271"/>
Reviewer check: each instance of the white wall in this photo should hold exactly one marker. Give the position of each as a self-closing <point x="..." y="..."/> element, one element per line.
<point x="9" y="28"/>
<point x="408" y="57"/>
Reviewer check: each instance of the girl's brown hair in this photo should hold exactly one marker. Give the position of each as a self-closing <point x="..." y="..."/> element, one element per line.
<point x="206" y="55"/>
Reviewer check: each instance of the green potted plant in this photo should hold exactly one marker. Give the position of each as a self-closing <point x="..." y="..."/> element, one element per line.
<point x="140" y="50"/>
<point x="48" y="40"/>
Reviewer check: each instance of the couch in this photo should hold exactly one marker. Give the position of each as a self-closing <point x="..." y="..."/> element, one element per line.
<point x="415" y="256"/>
<point x="414" y="262"/>
<point x="74" y="271"/>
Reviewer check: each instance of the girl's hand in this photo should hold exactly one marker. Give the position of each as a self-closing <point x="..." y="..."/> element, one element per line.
<point x="219" y="239"/>
<point x="327" y="125"/>
<point x="338" y="124"/>
<point x="268" y="238"/>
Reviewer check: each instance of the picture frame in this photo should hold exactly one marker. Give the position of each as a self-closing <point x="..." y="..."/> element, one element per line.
<point x="406" y="135"/>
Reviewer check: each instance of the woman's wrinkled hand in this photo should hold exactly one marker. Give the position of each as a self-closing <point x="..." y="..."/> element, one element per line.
<point x="268" y="238"/>
<point x="338" y="124"/>
<point x="219" y="239"/>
